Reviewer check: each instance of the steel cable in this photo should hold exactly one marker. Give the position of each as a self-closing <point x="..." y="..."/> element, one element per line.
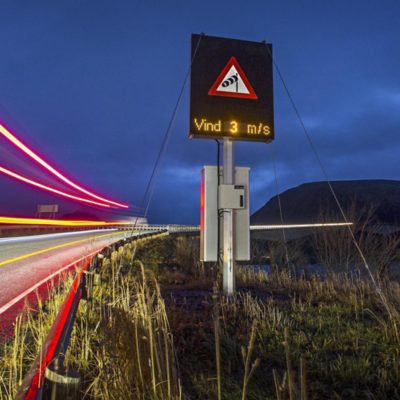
<point x="148" y="194"/>
<point x="324" y="172"/>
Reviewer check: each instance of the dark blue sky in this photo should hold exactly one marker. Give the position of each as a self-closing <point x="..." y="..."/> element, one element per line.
<point x="92" y="85"/>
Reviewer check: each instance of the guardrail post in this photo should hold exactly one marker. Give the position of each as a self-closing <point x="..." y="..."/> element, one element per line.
<point x="64" y="384"/>
<point x="60" y="383"/>
<point x="87" y="289"/>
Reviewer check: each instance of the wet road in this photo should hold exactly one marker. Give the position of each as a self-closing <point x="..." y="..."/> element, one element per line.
<point x="28" y="263"/>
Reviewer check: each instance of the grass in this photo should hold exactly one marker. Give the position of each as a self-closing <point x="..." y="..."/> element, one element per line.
<point x="122" y="342"/>
<point x="157" y="327"/>
<point x="349" y="351"/>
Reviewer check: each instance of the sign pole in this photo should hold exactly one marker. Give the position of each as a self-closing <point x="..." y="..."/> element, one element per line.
<point x="231" y="99"/>
<point x="228" y="251"/>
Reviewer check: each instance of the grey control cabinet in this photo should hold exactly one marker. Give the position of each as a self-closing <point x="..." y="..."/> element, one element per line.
<point x="226" y="198"/>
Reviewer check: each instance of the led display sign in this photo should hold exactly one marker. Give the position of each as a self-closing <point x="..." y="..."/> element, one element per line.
<point x="231" y="91"/>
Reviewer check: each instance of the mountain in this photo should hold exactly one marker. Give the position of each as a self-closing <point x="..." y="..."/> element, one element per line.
<point x="313" y="202"/>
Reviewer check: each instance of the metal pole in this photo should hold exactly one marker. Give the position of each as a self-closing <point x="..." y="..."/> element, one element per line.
<point x="228" y="179"/>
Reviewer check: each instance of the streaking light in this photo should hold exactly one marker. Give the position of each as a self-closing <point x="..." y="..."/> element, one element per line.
<point x="57" y="222"/>
<point x="9" y="136"/>
<point x="298" y="226"/>
<point x="50" y="189"/>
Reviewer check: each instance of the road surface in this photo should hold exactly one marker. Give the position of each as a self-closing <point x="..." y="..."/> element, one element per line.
<point x="31" y="262"/>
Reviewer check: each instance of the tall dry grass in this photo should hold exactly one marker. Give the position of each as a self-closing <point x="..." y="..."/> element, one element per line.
<point x="281" y="336"/>
<point x="124" y="335"/>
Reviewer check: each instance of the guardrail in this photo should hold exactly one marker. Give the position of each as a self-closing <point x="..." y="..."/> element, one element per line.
<point x="47" y="375"/>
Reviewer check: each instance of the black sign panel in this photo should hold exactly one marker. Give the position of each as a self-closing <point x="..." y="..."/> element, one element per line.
<point x="231" y="91"/>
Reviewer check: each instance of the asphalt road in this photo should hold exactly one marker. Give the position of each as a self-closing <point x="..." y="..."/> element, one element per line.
<point x="27" y="263"/>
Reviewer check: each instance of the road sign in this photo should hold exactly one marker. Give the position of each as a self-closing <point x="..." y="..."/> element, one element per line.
<point x="231" y="89"/>
<point x="47" y="208"/>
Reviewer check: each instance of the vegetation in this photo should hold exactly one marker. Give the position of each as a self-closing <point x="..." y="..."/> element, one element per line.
<point x="157" y="327"/>
<point x="30" y="330"/>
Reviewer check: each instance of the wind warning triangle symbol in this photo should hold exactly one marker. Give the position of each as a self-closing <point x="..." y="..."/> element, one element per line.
<point x="232" y="82"/>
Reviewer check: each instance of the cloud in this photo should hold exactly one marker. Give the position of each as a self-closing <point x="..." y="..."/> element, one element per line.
<point x="94" y="89"/>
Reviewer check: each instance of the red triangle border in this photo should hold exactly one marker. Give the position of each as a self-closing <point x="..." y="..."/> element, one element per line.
<point x="213" y="91"/>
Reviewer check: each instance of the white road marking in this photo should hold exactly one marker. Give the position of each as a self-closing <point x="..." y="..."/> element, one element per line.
<point x="15" y="300"/>
<point x="21" y="239"/>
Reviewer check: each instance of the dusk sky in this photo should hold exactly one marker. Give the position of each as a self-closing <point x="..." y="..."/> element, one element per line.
<point x="91" y="85"/>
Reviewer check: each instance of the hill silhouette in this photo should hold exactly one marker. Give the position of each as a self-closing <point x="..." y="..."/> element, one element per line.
<point x="311" y="202"/>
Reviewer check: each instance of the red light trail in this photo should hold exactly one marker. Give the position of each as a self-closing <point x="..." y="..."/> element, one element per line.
<point x="50" y="189"/>
<point x="21" y="146"/>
